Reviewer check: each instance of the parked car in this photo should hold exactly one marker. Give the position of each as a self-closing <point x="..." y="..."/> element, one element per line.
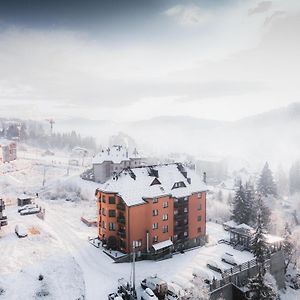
<point x="157" y="285"/>
<point x="26" y="207"/>
<point x="20" y="231"/>
<point x="148" y="294"/>
<point x="229" y="258"/>
<point x="207" y="275"/>
<point x="30" y="211"/>
<point x="215" y="266"/>
<point x="175" y="292"/>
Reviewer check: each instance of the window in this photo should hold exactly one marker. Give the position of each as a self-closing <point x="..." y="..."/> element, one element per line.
<point x="165" y="204"/>
<point x="165" y="228"/>
<point x="154" y="212"/>
<point x="199" y="229"/>
<point x="155" y="239"/>
<point x="103" y="225"/>
<point x="155" y="200"/>
<point x="103" y="199"/>
<point x="178" y="185"/>
<point x="165" y="217"/>
<point x="199" y="195"/>
<point x="111" y="200"/>
<point x="199" y="206"/>
<point x="199" y="218"/>
<point x="154" y="225"/>
<point x="111" y="213"/>
<point x="185" y="209"/>
<point x="175" y="212"/>
<point x="112" y="226"/>
<point x="185" y="198"/>
<point x="175" y="237"/>
<point x="138" y="243"/>
<point x="103" y="212"/>
<point x="185" y="233"/>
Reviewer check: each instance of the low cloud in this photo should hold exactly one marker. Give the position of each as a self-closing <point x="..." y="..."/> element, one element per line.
<point x="189" y="14"/>
<point x="261" y="7"/>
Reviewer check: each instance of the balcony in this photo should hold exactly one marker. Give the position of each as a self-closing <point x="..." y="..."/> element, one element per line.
<point x="122" y="234"/>
<point x="121" y="206"/>
<point x="121" y="220"/>
<point x="180" y="204"/>
<point x="3" y="221"/>
<point x="181" y="227"/>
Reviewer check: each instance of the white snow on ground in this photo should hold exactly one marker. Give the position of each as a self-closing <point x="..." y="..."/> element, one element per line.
<point x="23" y="260"/>
<point x="71" y="266"/>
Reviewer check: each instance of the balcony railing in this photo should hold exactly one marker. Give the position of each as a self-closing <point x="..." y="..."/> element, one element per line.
<point x="121" y="206"/>
<point x="121" y="220"/>
<point x="122" y="233"/>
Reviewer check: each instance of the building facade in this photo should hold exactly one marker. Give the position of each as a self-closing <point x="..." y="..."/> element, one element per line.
<point x="8" y="151"/>
<point x="112" y="160"/>
<point x="159" y="208"/>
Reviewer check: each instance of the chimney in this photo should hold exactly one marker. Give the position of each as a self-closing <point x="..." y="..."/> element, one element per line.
<point x="204" y="177"/>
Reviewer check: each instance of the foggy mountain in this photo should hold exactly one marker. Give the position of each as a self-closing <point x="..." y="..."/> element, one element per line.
<point x="268" y="136"/>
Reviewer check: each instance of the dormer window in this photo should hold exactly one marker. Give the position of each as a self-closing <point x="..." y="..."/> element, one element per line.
<point x="178" y="185"/>
<point x="155" y="181"/>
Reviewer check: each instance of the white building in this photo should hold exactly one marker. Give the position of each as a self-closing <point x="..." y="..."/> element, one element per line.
<point x="114" y="160"/>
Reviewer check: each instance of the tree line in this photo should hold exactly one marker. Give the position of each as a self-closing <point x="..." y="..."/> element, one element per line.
<point x="34" y="133"/>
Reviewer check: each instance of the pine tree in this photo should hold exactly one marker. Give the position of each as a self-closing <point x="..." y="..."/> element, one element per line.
<point x="288" y="246"/>
<point x="241" y="206"/>
<point x="250" y="200"/>
<point x="258" y="287"/>
<point x="266" y="184"/>
<point x="294" y="183"/>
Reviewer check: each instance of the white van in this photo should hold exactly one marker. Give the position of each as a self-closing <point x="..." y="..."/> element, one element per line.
<point x="229" y="258"/>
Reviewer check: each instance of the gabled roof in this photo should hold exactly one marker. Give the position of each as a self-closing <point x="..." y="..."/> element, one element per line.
<point x="115" y="154"/>
<point x="135" y="185"/>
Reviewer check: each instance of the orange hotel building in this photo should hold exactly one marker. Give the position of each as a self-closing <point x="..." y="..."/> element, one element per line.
<point x="162" y="208"/>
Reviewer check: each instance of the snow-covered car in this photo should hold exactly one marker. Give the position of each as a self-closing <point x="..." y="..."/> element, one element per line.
<point x="30" y="211"/>
<point x="204" y="273"/>
<point x="175" y="292"/>
<point x="229" y="258"/>
<point x="20" y="231"/>
<point x="215" y="266"/>
<point x="148" y="294"/>
<point x="157" y="285"/>
<point x="26" y="207"/>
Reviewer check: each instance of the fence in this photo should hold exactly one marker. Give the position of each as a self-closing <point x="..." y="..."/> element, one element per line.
<point x="237" y="274"/>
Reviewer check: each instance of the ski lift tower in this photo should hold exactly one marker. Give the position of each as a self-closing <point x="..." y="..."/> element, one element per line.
<point x="51" y="122"/>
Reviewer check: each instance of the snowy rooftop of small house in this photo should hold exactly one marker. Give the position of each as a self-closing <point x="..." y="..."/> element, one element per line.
<point x="230" y="223"/>
<point x="116" y="154"/>
<point x="136" y="184"/>
<point x="24" y="196"/>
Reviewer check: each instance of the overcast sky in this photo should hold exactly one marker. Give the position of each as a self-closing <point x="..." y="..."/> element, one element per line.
<point x="136" y="59"/>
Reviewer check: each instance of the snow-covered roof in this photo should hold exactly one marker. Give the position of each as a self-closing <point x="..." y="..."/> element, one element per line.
<point x="135" y="185"/>
<point x="24" y="197"/>
<point x="230" y="223"/>
<point x="161" y="245"/>
<point x="4" y="142"/>
<point x="244" y="226"/>
<point x="116" y="154"/>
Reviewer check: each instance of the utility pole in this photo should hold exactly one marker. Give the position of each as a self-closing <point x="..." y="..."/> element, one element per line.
<point x="44" y="176"/>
